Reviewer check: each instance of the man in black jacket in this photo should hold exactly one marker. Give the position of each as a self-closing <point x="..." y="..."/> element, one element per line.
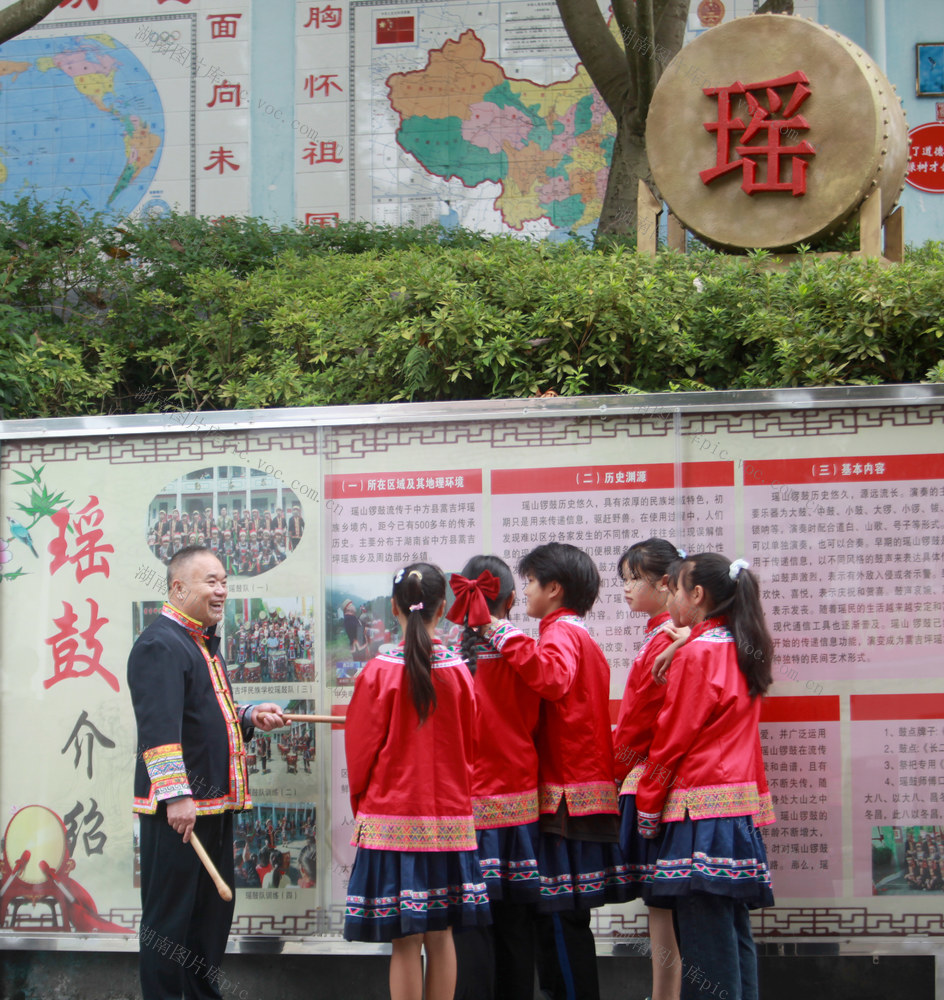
<point x="189" y="777"/>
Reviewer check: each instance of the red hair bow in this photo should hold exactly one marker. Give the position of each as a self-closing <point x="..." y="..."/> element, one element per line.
<point x="471" y="597"/>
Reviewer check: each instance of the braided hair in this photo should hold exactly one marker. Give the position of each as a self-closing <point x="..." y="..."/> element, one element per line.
<point x="468" y="647"/>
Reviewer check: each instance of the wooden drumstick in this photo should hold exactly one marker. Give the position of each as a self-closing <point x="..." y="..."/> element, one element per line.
<point x="315" y="718"/>
<point x="221" y="887"/>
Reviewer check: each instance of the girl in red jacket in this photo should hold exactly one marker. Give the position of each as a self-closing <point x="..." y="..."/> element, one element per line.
<point x="578" y="853"/>
<point x="408" y="740"/>
<point x="704" y="782"/>
<point x="504" y="792"/>
<point x="644" y="569"/>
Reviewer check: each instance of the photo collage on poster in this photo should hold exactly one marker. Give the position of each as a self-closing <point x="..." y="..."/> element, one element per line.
<point x="253" y="524"/>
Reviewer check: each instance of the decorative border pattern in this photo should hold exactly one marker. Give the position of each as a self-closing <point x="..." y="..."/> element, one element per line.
<point x="201" y="446"/>
<point x="826" y="922"/>
<point x="356" y="442"/>
<point x="512" y="809"/>
<point x="415" y="833"/>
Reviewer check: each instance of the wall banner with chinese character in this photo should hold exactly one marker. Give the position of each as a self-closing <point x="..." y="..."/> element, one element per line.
<point x="454" y="112"/>
<point x="834" y="497"/>
<point x="130" y="108"/>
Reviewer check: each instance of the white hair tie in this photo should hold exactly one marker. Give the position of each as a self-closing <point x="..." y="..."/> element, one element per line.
<point x="398" y="577"/>
<point x="735" y="570"/>
<point x="682" y="554"/>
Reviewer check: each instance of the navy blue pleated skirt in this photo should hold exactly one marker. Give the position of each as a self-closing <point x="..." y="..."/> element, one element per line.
<point x="725" y="856"/>
<point x="579" y="874"/>
<point x="640" y="856"/>
<point x="392" y="894"/>
<point x="508" y="856"/>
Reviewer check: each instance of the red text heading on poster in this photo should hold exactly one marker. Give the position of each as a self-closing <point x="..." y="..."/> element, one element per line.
<point x="803" y="708"/>
<point x="878" y="707"/>
<point x="607" y="478"/>
<point x="399" y="484"/>
<point x="856" y="469"/>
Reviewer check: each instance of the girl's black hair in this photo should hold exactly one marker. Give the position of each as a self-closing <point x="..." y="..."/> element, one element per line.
<point x="307" y="860"/>
<point x="649" y="560"/>
<point x="419" y="590"/>
<point x="569" y="566"/>
<point x="739" y="600"/>
<point x="468" y="648"/>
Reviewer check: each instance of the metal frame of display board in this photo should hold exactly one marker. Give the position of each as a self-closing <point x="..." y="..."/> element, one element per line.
<point x="672" y="409"/>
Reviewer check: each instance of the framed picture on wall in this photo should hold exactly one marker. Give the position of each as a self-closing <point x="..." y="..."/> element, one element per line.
<point x="929" y="69"/>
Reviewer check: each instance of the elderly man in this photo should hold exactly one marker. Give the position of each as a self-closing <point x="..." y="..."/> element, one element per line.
<point x="190" y="776"/>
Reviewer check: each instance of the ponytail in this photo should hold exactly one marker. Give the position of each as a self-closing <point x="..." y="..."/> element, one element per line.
<point x="469" y="645"/>
<point x="419" y="590"/>
<point x="734" y="591"/>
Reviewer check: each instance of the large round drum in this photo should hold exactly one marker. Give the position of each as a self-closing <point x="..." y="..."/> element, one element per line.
<point x="797" y="128"/>
<point x="38" y="831"/>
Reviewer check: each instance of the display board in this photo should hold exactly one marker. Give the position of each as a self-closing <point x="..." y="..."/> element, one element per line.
<point x="835" y="498"/>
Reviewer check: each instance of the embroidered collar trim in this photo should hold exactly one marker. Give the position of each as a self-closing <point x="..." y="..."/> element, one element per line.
<point x="194" y="627"/>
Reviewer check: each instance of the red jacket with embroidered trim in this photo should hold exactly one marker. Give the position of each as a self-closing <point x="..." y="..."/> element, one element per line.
<point x="575" y="749"/>
<point x="706" y="755"/>
<point x="642" y="700"/>
<point x="505" y="781"/>
<point x="411" y="784"/>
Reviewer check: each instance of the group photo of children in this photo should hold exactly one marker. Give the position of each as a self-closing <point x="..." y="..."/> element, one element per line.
<point x="495" y="806"/>
<point x="250" y="530"/>
<point x="907" y="860"/>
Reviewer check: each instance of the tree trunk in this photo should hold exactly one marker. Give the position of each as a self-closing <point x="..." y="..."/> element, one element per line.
<point x="22" y="15"/>
<point x="630" y="163"/>
<point x="663" y="23"/>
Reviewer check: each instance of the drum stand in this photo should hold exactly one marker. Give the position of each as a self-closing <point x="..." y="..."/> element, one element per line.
<point x="649" y="208"/>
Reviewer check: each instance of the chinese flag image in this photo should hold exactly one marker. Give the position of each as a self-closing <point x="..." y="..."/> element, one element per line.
<point x="396" y="30"/>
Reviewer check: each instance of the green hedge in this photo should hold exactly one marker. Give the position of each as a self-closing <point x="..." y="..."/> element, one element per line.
<point x="186" y="313"/>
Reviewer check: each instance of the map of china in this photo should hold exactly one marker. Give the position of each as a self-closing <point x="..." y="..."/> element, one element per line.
<point x="549" y="147"/>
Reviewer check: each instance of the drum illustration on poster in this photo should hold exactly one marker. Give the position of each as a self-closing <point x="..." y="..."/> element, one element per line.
<point x="38" y="892"/>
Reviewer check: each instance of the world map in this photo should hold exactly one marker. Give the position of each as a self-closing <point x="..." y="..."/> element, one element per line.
<point x="80" y="120"/>
<point x="548" y="146"/>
